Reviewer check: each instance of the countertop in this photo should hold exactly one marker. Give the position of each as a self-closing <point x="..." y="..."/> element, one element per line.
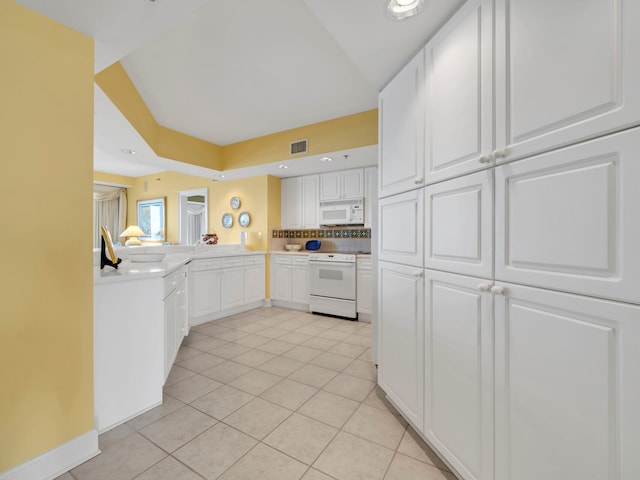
<point x="130" y="271"/>
<point x="307" y="252"/>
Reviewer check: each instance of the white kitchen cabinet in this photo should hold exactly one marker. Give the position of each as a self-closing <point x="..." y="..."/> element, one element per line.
<point x="370" y="194"/>
<point x="567" y="220"/>
<point x="401" y="220"/>
<point x="300" y="199"/>
<point x="204" y="287"/>
<point x="175" y="316"/>
<point x="459" y="94"/>
<point x="343" y="184"/>
<point x="128" y="349"/>
<point x="300" y="280"/>
<point x="232" y="283"/>
<point x="290" y="280"/>
<point x="401" y="130"/>
<point x="254" y="275"/>
<point x="291" y="193"/>
<point x="364" y="286"/>
<point x="219" y="287"/>
<point x="401" y="330"/>
<point x="574" y="79"/>
<point x="459" y="372"/>
<point x="567" y="390"/>
<point x="310" y="201"/>
<point x="459" y="225"/>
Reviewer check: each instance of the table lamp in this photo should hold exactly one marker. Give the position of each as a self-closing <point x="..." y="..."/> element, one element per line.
<point x="132" y="232"/>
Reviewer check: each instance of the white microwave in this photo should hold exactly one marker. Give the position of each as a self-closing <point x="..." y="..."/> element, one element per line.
<point x="342" y="212"/>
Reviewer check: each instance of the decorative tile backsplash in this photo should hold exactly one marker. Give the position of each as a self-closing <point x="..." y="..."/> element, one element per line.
<point x="323" y="233"/>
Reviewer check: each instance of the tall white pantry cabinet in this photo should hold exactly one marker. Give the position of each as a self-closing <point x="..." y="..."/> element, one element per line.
<point x="509" y="245"/>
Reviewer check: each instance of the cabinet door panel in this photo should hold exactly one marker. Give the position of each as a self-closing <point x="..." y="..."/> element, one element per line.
<point x="300" y="284"/>
<point x="204" y="293"/>
<point x="232" y="287"/>
<point x="352" y="183"/>
<point x="459" y="372"/>
<point x="254" y="283"/>
<point x="330" y="186"/>
<point x="573" y="79"/>
<point x="310" y="201"/>
<point x="566" y="220"/>
<point x="401" y="220"/>
<point x="364" y="291"/>
<point x="459" y="225"/>
<point x="401" y="320"/>
<point x="281" y="282"/>
<point x="292" y="202"/>
<point x="459" y="95"/>
<point x="401" y="112"/>
<point x="567" y="391"/>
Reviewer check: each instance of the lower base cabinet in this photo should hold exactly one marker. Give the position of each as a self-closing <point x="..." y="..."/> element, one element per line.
<point x="520" y="383"/>
<point x="175" y="315"/>
<point x="223" y="286"/>
<point x="290" y="280"/>
<point x="459" y="372"/>
<point x="567" y="371"/>
<point x="401" y="330"/>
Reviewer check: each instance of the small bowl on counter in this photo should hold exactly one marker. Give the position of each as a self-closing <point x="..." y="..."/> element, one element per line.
<point x="293" y="247"/>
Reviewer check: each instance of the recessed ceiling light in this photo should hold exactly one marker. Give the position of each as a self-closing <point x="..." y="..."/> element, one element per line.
<point x="401" y="9"/>
<point x="128" y="151"/>
<point x="283" y="166"/>
<point x="326" y="159"/>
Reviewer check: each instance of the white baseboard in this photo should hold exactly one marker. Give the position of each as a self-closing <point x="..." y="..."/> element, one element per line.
<point x="57" y="461"/>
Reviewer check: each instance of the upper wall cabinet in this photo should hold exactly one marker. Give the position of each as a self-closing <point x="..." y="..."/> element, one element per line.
<point x="459" y="225"/>
<point x="401" y="130"/>
<point x="459" y="94"/>
<point x="565" y="72"/>
<point x="342" y="184"/>
<point x="300" y="202"/>
<point x="401" y="232"/>
<point x="568" y="219"/>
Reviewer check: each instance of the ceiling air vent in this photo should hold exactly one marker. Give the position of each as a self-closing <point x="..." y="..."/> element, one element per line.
<point x="299" y="146"/>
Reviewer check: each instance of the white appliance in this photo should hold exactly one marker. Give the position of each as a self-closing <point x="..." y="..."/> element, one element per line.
<point x="332" y="284"/>
<point x="342" y="212"/>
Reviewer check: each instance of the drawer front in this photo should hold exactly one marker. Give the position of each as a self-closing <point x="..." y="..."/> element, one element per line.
<point x="208" y="264"/>
<point x="232" y="262"/>
<point x="254" y="260"/>
<point x="172" y="280"/>
<point x="363" y="263"/>
<point x="281" y="259"/>
<point x="300" y="260"/>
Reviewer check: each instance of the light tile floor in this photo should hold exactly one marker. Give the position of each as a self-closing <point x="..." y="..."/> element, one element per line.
<point x="268" y="394"/>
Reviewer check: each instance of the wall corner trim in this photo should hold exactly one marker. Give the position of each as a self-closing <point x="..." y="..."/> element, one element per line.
<point x="57" y="461"/>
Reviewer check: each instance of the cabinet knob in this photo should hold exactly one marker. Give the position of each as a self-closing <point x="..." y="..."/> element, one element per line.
<point x="484" y="287"/>
<point x="485" y="159"/>
<point x="418" y="180"/>
<point x="500" y="154"/>
<point x="496" y="290"/>
<point x="418" y="273"/>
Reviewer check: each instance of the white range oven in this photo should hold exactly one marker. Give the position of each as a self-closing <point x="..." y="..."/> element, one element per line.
<point x="332" y="284"/>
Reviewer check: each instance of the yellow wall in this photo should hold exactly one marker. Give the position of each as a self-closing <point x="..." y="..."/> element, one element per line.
<point x="253" y="193"/>
<point x="166" y="143"/>
<point x="351" y="131"/>
<point x="110" y="178"/>
<point x="259" y="196"/>
<point x="46" y="324"/>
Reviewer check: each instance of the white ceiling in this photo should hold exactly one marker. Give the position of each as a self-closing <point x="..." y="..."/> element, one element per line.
<point x="226" y="71"/>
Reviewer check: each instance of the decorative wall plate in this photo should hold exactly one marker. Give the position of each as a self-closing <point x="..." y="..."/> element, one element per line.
<point x="234" y="202"/>
<point x="227" y="220"/>
<point x="244" y="219"/>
